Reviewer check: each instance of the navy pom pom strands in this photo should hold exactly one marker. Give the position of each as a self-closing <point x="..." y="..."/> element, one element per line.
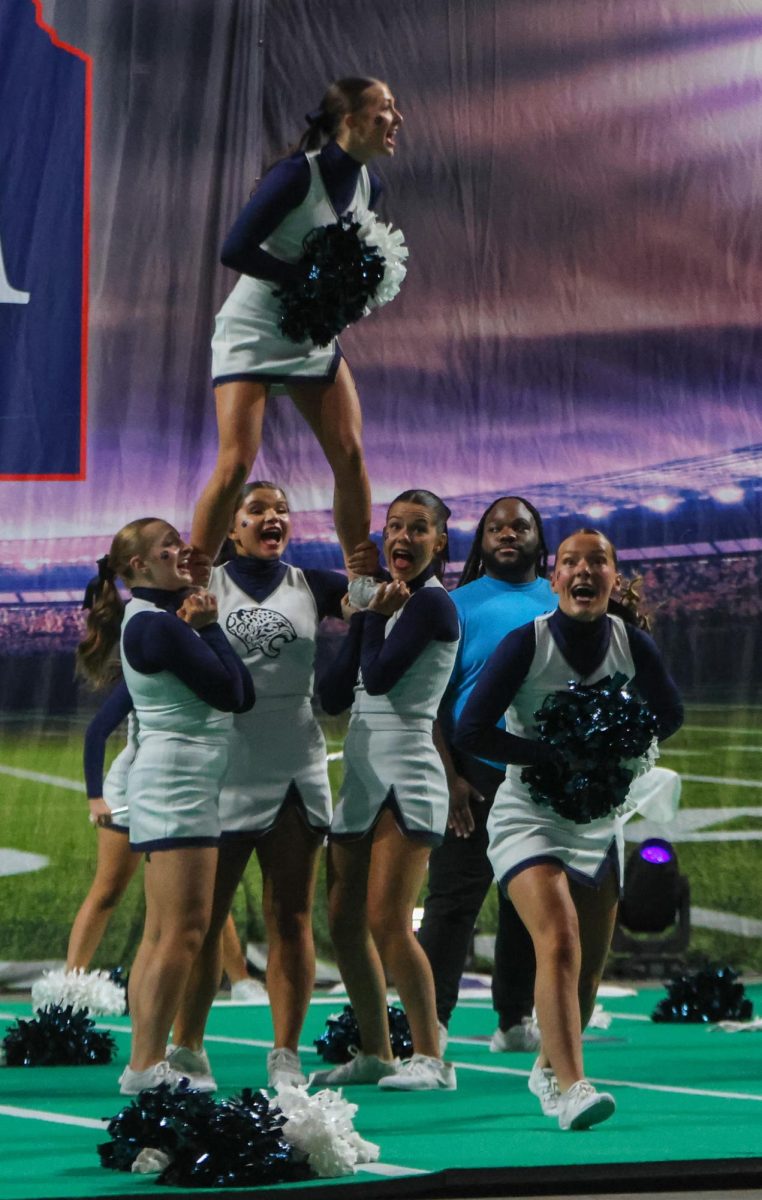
<point x="347" y="268"/>
<point x="598" y="731"/>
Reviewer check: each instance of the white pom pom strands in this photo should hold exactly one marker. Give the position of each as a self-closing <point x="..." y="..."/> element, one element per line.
<point x="390" y="244"/>
<point x="320" y="1127"/>
<point x="94" y="991"/>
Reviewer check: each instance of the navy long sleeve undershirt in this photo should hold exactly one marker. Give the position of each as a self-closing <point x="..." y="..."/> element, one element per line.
<point x="284" y="188"/>
<point x="429" y="615"/>
<point x="115" y="709"/>
<point x="584" y="647"/>
<point x="207" y="664"/>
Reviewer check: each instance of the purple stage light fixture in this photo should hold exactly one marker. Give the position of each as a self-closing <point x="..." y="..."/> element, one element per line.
<point x="656" y="851"/>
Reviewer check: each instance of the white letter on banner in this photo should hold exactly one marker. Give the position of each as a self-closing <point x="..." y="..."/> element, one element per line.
<point x="8" y="294"/>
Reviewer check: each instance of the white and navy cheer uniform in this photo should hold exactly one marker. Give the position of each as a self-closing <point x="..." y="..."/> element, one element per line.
<point x="397" y="668"/>
<point x="299" y="194"/>
<point x="184" y="684"/>
<point x="270" y="612"/>
<point x="529" y="664"/>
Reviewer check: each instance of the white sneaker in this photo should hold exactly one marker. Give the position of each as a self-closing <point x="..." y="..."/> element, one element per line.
<point x="363" y="1068"/>
<point x="361" y="590"/>
<point x="582" y="1106"/>
<point x="248" y="991"/>
<point x="543" y="1084"/>
<point x="443" y="1038"/>
<point x="524" y="1037"/>
<point x="284" y="1068"/>
<point x="421" y="1074"/>
<point x="195" y="1064"/>
<point x="131" y="1083"/>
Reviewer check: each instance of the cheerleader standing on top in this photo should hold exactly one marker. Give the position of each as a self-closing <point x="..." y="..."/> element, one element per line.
<point x="357" y="121"/>
<point x="185" y="682"/>
<point x="276" y="798"/>
<point x="396" y="660"/>
<point x="562" y="875"/>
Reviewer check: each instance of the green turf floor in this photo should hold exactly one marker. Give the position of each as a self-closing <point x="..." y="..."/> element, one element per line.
<point x="683" y="1092"/>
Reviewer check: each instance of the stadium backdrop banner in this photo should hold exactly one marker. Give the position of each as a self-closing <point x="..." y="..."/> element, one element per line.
<point x="578" y="182"/>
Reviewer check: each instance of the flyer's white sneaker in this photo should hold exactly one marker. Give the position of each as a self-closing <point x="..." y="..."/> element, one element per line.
<point x="363" y="1068"/>
<point x="523" y="1038"/>
<point x="421" y="1074"/>
<point x="248" y="991"/>
<point x="132" y="1083"/>
<point x="583" y="1106"/>
<point x="361" y="590"/>
<point x="195" y="1064"/>
<point x="284" y="1067"/>
<point x="543" y="1084"/>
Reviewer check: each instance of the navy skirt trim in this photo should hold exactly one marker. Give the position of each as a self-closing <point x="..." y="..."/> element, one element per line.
<point x="414" y="835"/>
<point x="173" y="843"/>
<point x="609" y="862"/>
<point x="272" y="377"/>
<point x="292" y="799"/>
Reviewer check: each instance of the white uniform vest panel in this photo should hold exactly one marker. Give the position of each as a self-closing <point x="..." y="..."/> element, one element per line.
<point x="416" y="696"/>
<point x="279" y="741"/>
<point x="275" y="638"/>
<point x="163" y="702"/>
<point x="521" y="831"/>
<point x="389" y="753"/>
<point x="173" y="784"/>
<point x="286" y="242"/>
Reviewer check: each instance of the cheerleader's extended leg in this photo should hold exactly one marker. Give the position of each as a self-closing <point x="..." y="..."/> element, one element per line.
<point x="356" y="952"/>
<point x="179" y="884"/>
<point x="332" y="410"/>
<point x="115" y="868"/>
<point x="288" y="857"/>
<point x="240" y="413"/>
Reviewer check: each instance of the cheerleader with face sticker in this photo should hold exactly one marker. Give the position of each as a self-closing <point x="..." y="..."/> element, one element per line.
<point x="356" y="121"/>
<point x="276" y="799"/>
<point x="185" y="683"/>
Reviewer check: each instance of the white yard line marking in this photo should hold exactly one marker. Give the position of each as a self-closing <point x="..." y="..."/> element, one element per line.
<point x="38" y="1114"/>
<point x="727" y="729"/>
<point x="721" y="779"/>
<point x="71" y="785"/>
<point x="642" y="1087"/>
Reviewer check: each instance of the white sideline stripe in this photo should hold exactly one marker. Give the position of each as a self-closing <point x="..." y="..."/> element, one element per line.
<point x="750" y="783"/>
<point x="641" y="1087"/>
<point x="708" y="918"/>
<point x="389" y="1169"/>
<point x="71" y="785"/>
<point x="722" y="729"/>
<point x="38" y="1114"/>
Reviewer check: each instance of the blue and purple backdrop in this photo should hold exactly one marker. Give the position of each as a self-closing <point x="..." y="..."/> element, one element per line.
<point x="578" y="182"/>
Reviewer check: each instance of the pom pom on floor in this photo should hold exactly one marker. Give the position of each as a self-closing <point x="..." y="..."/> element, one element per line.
<point x="57" y="1037"/>
<point x="193" y="1140"/>
<point x="320" y="1128"/>
<point x="340" y="1040"/>
<point x="707" y="996"/>
<point x="97" y="992"/>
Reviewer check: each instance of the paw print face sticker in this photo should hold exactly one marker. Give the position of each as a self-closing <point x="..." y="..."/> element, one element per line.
<point x="261" y="629"/>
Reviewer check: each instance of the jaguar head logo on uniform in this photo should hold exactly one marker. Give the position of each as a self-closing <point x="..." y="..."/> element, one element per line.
<point x="261" y="629"/>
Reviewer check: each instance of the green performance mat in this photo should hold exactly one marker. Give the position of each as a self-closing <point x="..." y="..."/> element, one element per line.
<point x="689" y="1111"/>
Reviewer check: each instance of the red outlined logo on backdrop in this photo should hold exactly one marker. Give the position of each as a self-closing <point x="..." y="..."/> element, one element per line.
<point x="45" y="149"/>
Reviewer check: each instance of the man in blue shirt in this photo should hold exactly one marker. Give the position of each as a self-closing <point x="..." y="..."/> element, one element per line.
<point x="502" y="587"/>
